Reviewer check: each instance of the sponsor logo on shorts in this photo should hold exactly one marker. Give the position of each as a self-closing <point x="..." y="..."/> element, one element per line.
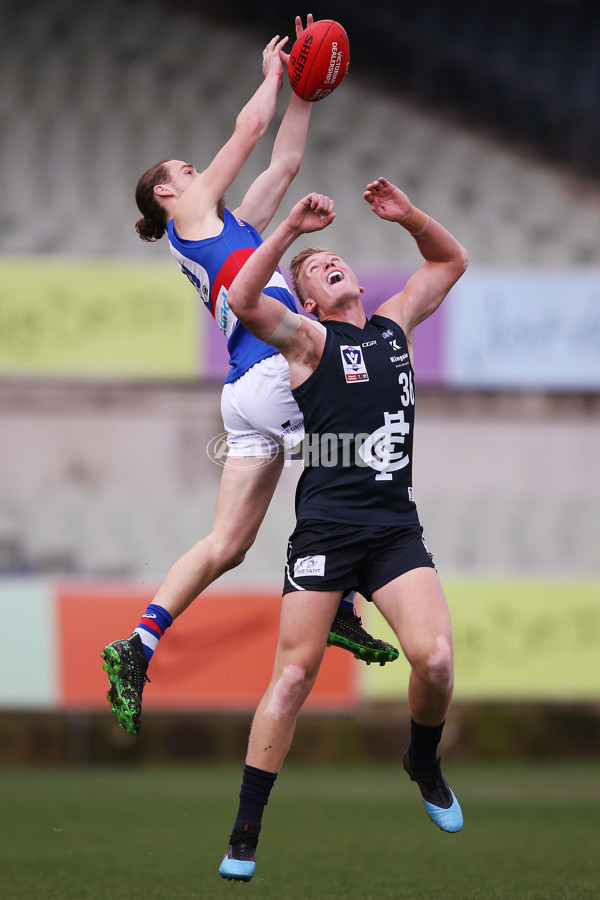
<point x="354" y="364"/>
<point x="288" y="428"/>
<point x="309" y="566"/>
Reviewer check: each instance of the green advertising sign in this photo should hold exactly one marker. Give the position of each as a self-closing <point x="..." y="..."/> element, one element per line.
<point x="515" y="639"/>
<point x="97" y="320"/>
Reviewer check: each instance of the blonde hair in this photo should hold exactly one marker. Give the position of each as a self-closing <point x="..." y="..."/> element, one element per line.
<point x="296" y="267"/>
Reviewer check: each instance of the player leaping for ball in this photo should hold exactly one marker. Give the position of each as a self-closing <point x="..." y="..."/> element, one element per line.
<point x="356" y="516"/>
<point x="261" y="417"/>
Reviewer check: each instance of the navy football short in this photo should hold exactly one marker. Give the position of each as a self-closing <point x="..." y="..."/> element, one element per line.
<point x="329" y="556"/>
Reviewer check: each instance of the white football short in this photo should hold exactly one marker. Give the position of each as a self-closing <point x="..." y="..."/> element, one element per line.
<point x="259" y="412"/>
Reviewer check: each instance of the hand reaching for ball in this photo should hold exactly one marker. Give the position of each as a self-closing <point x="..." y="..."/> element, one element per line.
<point x="285" y="57"/>
<point x="313" y="213"/>
<point x="386" y="200"/>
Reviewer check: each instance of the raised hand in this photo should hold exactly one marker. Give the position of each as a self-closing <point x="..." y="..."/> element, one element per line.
<point x="285" y="57"/>
<point x="272" y="57"/>
<point x="386" y="200"/>
<point x="313" y="213"/>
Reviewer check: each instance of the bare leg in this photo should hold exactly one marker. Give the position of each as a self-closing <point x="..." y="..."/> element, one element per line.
<point x="245" y="493"/>
<point x="415" y="606"/>
<point x="247" y="486"/>
<point x="305" y="620"/>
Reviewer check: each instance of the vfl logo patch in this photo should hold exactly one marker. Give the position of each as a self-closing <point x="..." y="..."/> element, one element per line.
<point x="354" y="364"/>
<point x="309" y="565"/>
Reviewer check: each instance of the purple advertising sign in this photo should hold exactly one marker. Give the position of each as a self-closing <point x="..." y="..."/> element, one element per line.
<point x="378" y="287"/>
<point x="428" y="338"/>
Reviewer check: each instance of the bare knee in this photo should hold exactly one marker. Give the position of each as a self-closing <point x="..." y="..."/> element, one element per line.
<point x="437" y="666"/>
<point x="228" y="554"/>
<point x="232" y="557"/>
<point x="287" y="691"/>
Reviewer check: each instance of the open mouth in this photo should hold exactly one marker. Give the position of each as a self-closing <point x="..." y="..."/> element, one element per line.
<point x="334" y="277"/>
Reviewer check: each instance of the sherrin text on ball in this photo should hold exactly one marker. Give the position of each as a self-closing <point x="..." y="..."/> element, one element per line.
<point x="319" y="60"/>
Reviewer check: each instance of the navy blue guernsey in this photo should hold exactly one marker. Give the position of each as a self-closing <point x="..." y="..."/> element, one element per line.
<point x="359" y="409"/>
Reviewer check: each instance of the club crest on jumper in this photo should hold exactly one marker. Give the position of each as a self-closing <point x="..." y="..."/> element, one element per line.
<point x="379" y="450"/>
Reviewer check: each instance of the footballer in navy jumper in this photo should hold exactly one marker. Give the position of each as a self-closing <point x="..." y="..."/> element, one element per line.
<point x="357" y="523"/>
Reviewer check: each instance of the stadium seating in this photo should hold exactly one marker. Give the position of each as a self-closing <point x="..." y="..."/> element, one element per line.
<point x="108" y="530"/>
<point x="93" y="94"/>
<point x="96" y="94"/>
<point x="108" y="525"/>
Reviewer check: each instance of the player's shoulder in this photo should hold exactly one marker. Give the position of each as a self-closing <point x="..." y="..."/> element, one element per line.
<point x="389" y="328"/>
<point x="383" y="321"/>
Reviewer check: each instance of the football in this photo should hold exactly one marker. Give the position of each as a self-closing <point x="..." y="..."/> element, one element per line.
<point x="319" y="60"/>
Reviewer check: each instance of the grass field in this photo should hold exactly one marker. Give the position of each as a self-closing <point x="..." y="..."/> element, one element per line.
<point x="531" y="833"/>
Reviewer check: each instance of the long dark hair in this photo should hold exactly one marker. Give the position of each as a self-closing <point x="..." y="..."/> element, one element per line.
<point x="154" y="222"/>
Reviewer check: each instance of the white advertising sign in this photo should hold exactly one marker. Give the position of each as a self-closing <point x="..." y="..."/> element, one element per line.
<point x="525" y="329"/>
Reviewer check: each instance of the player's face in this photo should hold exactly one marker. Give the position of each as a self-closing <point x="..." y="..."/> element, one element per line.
<point x="181" y="175"/>
<point x="328" y="281"/>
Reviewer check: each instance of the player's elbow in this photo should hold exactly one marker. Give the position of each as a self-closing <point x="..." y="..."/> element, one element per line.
<point x="235" y="300"/>
<point x="457" y="266"/>
<point x="289" y="164"/>
<point x="282" y="171"/>
<point x="252" y="123"/>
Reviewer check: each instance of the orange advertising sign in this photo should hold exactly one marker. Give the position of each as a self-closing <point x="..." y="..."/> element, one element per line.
<point x="218" y="654"/>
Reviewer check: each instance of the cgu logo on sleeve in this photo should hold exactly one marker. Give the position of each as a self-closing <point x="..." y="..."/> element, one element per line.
<point x="354" y="364"/>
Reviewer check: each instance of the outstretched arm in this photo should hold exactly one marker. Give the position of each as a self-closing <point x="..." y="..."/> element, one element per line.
<point x="445" y="258"/>
<point x="265" y="194"/>
<point x="265" y="316"/>
<point x="198" y="206"/>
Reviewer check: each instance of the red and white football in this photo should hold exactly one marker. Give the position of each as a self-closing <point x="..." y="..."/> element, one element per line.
<point x="319" y="60"/>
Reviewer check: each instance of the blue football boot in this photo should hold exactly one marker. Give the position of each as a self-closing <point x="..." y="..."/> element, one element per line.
<point x="442" y="806"/>
<point x="238" y="863"/>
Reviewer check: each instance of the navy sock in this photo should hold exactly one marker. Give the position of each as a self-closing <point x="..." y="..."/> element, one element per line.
<point x="424" y="740"/>
<point x="153" y="625"/>
<point x="254" y="796"/>
<point x="347" y="602"/>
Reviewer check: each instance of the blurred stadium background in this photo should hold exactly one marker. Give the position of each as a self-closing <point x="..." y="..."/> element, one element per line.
<point x="489" y="116"/>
